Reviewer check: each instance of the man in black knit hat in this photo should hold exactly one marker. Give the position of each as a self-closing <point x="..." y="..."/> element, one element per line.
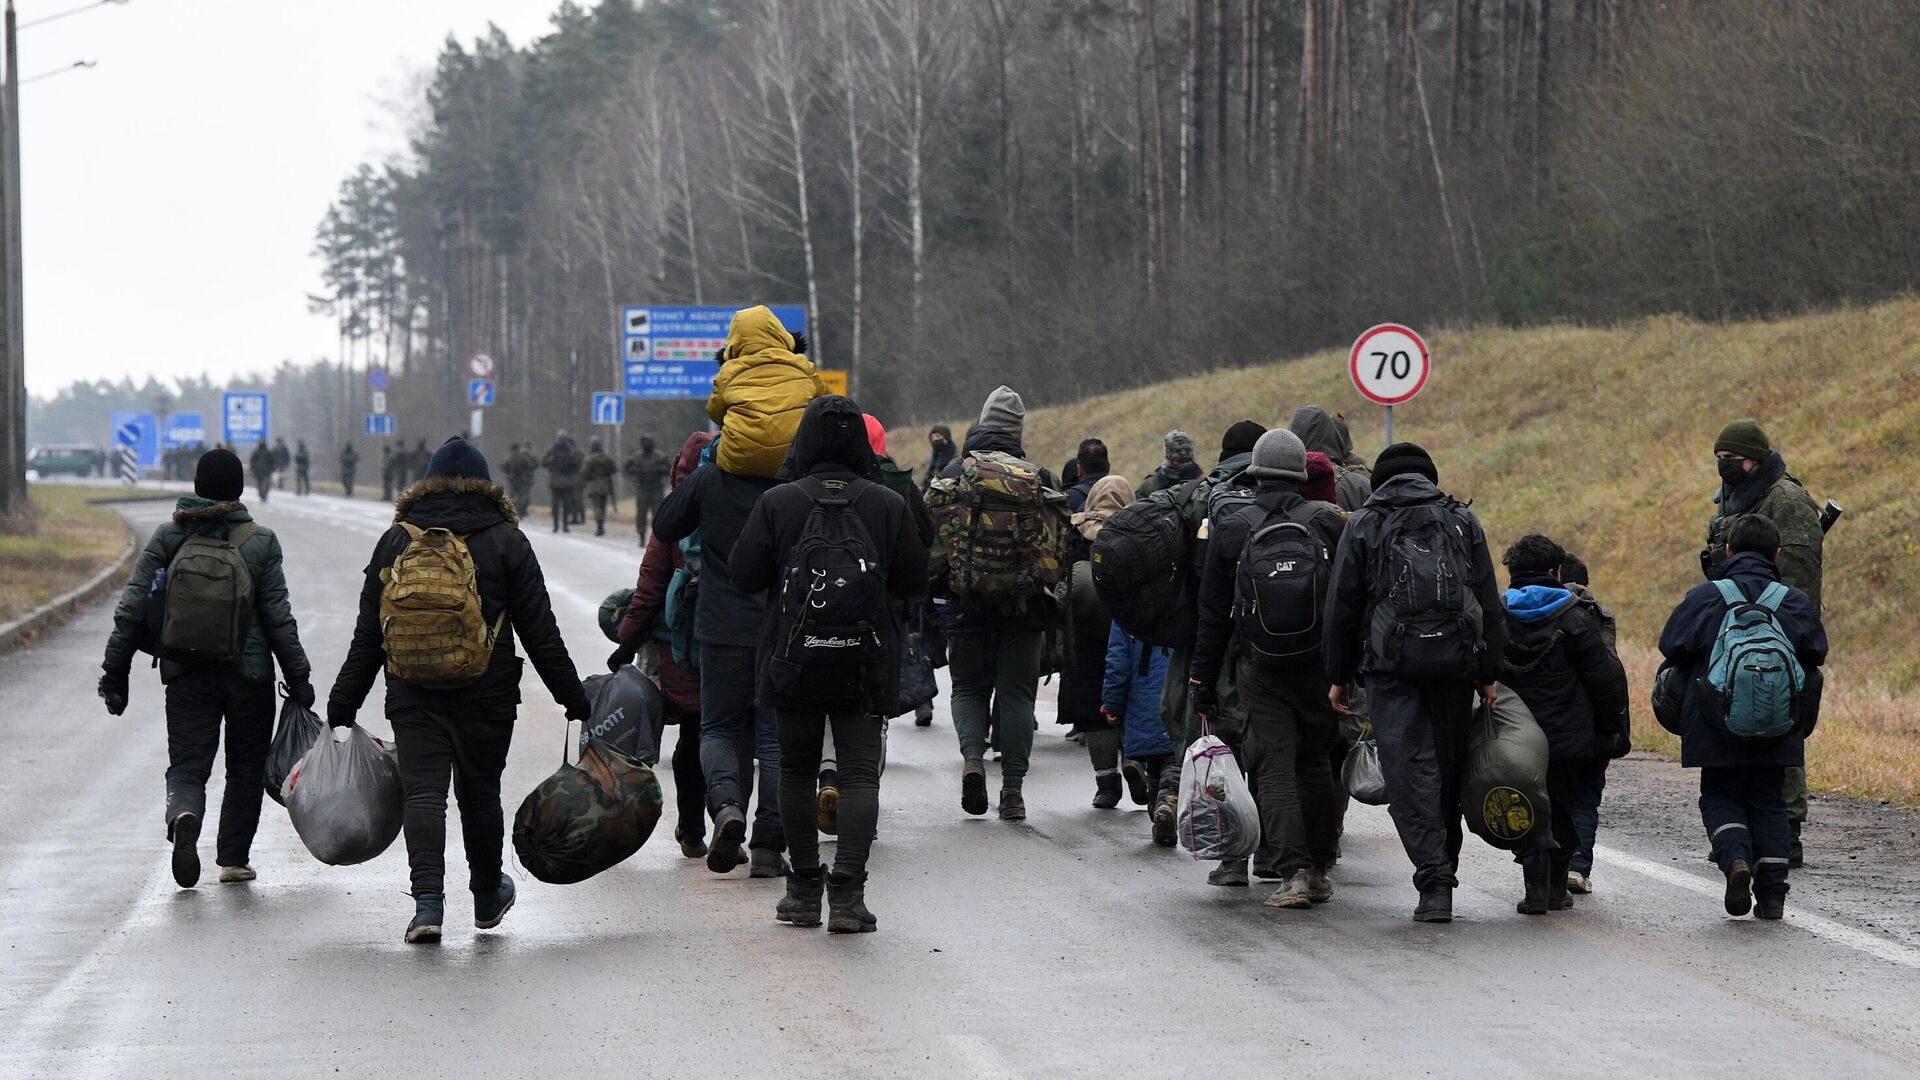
<point x="217" y="637"/>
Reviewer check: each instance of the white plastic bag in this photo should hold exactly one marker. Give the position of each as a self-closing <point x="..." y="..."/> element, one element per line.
<point x="345" y="797"/>
<point x="1218" y="818"/>
<point x="1360" y="774"/>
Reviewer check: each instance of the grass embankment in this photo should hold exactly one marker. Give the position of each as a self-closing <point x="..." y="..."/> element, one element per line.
<point x="1602" y="438"/>
<point x="66" y="541"/>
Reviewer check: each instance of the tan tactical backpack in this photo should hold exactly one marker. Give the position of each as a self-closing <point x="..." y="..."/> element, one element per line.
<point x="430" y="617"/>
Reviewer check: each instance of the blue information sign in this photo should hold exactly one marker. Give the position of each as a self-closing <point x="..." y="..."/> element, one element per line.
<point x="141" y="432"/>
<point x="668" y="351"/>
<point x="244" y="417"/>
<point x="184" y="429"/>
<point x="480" y="393"/>
<point x="609" y="410"/>
<point x="380" y="424"/>
<point x="377" y="379"/>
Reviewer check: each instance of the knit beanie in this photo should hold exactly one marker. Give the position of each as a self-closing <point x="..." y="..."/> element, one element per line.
<point x="218" y="476"/>
<point x="1004" y="411"/>
<point x="1400" y="458"/>
<point x="1178" y="446"/>
<point x="1746" y="438"/>
<point x="1320" y="484"/>
<point x="1240" y="438"/>
<point x="1279" y="455"/>
<point x="458" y="458"/>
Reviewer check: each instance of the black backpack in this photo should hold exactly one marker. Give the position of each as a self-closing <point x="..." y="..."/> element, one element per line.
<point x="1280" y="588"/>
<point x="1426" y="619"/>
<point x="831" y="605"/>
<point x="1141" y="570"/>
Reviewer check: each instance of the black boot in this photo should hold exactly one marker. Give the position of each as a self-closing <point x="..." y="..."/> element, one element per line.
<point x="1436" y="905"/>
<point x="1536" y="869"/>
<point x="847" y="905"/>
<point x="801" y="905"/>
<point x="1559" y="897"/>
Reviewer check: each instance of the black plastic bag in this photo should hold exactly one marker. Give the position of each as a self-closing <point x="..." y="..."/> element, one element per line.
<point x="1503" y="789"/>
<point x="917" y="684"/>
<point x="627" y="708"/>
<point x="299" y="728"/>
<point x="587" y="817"/>
<point x="345" y="797"/>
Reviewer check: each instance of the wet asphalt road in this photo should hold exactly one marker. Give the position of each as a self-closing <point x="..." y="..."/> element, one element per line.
<point x="1064" y="947"/>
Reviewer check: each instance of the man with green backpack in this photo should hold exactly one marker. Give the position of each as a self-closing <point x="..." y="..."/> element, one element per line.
<point x="208" y="599"/>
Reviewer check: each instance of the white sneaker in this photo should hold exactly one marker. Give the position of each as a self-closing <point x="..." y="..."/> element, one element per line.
<point x="232" y="875"/>
<point x="1579" y="883"/>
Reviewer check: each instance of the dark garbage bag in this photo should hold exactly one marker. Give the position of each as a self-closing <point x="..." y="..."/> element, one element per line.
<point x="1503" y="789"/>
<point x="588" y="816"/>
<point x="299" y="728"/>
<point x="627" y="708"/>
<point x="345" y="797"/>
<point x="917" y="684"/>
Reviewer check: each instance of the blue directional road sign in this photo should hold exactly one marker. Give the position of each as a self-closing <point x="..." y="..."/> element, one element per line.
<point x="380" y="424"/>
<point x="244" y="417"/>
<point x="480" y="393"/>
<point x="139" y="432"/>
<point x="668" y="352"/>
<point x="609" y="410"/>
<point x="377" y="379"/>
<point x="184" y="429"/>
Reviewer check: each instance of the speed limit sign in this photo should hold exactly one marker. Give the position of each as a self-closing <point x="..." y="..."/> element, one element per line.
<point x="1389" y="364"/>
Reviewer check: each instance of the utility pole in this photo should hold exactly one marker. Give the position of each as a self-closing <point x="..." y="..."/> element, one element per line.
<point x="13" y="368"/>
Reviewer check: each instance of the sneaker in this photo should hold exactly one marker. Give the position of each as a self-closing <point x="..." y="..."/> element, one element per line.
<point x="428" y="911"/>
<point x="1165" y="818"/>
<point x="185" y="834"/>
<point x="1770" y="908"/>
<point x="1013" y="805"/>
<point x="1436" y="905"/>
<point x="1319" y="886"/>
<point x="729" y="833"/>
<point x="768" y="863"/>
<point x="693" y="847"/>
<point x="1106" y="792"/>
<point x="1739" y="898"/>
<point x="1232" y="873"/>
<point x="1136" y="777"/>
<point x="1579" y="884"/>
<point x="973" y="788"/>
<point x="236" y="875"/>
<point x="829" y="801"/>
<point x="489" y="910"/>
<point x="1293" y="894"/>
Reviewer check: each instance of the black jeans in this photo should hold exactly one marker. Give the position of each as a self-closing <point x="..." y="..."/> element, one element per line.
<point x="1290" y="725"/>
<point x="471" y="751"/>
<point x="733" y="732"/>
<point x="1589" y="784"/>
<point x="1422" y="731"/>
<point x="856" y="743"/>
<point x="689" y="782"/>
<point x="1745" y="813"/>
<point x="197" y="701"/>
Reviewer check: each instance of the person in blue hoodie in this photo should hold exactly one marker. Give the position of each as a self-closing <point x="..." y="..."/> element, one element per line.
<point x="1557" y="660"/>
<point x="1130" y="700"/>
<point x="1741" y="800"/>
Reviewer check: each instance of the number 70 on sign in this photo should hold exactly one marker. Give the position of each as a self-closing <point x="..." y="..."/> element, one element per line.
<point x="1389" y="364"/>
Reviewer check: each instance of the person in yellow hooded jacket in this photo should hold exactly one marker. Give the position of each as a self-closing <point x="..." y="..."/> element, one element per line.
<point x="762" y="389"/>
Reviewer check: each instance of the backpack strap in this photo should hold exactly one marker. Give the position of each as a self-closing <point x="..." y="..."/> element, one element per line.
<point x="1730" y="592"/>
<point x="242" y="533"/>
<point x="1772" y="597"/>
<point x="413" y="531"/>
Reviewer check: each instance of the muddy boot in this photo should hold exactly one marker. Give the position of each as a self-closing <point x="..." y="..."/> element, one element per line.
<point x="1166" y="812"/>
<point x="1536" y="869"/>
<point x="1106" y="791"/>
<point x="973" y="787"/>
<point x="1559" y="887"/>
<point x="1436" y="905"/>
<point x="1739" y="898"/>
<point x="847" y="905"/>
<point x="801" y="906"/>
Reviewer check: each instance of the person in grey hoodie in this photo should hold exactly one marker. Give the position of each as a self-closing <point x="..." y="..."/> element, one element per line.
<point x="1323" y="434"/>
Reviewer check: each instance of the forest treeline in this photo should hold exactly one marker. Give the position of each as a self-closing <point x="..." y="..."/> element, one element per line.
<point x="1074" y="195"/>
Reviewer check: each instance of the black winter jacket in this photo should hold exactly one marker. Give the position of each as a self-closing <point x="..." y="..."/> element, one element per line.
<point x="1354" y="592"/>
<point x="717" y="503"/>
<point x="1559" y="665"/>
<point x="1275" y="499"/>
<point x="510" y="581"/>
<point x="1688" y="641"/>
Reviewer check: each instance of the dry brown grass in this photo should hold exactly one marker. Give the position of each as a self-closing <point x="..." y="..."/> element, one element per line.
<point x="66" y="541"/>
<point x="1602" y="438"/>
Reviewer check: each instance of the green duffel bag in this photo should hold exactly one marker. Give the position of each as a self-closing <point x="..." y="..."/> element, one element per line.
<point x="587" y="816"/>
<point x="1503" y="788"/>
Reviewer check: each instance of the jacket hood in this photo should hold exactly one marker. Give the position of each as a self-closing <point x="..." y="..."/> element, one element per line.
<point x="994" y="439"/>
<point x="689" y="458"/>
<point x="756" y="331"/>
<point x="832" y="434"/>
<point x="1405" y="489"/>
<point x="1738" y="500"/>
<point x="1230" y="467"/>
<point x="1109" y="495"/>
<point x="943" y="429"/>
<point x="1534" y="603"/>
<point x="1748" y="564"/>
<point x="460" y="504"/>
<point x="1317" y="430"/>
<point x="193" y="512"/>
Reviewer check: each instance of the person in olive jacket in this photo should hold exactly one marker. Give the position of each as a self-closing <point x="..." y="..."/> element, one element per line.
<point x="460" y="734"/>
<point x="200" y="695"/>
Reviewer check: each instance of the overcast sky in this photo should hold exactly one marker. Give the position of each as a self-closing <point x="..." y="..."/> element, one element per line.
<point x="170" y="194"/>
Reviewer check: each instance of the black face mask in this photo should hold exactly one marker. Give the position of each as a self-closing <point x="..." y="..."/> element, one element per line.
<point x="1733" y="471"/>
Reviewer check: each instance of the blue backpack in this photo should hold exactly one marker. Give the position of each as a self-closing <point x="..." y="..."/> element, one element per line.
<point x="1754" y="679"/>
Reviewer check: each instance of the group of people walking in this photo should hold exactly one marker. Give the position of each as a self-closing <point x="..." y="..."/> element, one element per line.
<point x="793" y="577"/>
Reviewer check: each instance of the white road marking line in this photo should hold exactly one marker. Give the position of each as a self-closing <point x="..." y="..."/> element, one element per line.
<point x="1876" y="945"/>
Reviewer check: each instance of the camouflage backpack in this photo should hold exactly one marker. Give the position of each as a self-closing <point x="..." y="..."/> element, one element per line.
<point x="588" y="816"/>
<point x="430" y="620"/>
<point x="1000" y="534"/>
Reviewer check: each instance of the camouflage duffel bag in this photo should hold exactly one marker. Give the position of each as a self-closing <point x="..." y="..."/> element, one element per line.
<point x="587" y="816"/>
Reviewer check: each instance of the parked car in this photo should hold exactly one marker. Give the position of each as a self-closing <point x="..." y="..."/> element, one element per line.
<point x="55" y="458"/>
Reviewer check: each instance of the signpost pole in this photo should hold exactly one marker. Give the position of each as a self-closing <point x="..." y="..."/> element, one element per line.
<point x="1389" y="441"/>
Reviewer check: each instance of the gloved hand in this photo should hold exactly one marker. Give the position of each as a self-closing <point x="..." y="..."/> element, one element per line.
<point x="621" y="657"/>
<point x="301" y="693"/>
<point x="1113" y="718"/>
<point x="580" y="709"/>
<point x="1205" y="701"/>
<point x="339" y="718"/>
<point x="113" y="691"/>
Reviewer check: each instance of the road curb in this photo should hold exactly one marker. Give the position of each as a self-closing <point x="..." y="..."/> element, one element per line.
<point x="23" y="631"/>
